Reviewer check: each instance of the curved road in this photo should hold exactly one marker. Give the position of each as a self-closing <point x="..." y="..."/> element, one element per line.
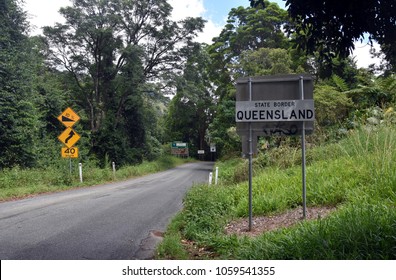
<point x="113" y="221"/>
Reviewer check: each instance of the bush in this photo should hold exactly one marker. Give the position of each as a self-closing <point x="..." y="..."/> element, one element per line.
<point x="331" y="106"/>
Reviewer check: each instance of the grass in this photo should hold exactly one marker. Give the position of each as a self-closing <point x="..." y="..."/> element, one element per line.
<point x="19" y="183"/>
<point x="357" y="175"/>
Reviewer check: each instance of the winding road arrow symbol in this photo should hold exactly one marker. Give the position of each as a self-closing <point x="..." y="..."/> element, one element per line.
<point x="71" y="134"/>
<point x="69" y="137"/>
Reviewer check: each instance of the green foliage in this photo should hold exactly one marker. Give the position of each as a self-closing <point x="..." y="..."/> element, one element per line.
<point x="380" y="92"/>
<point x="340" y="83"/>
<point x="331" y="105"/>
<point x="171" y="247"/>
<point x="355" y="175"/>
<point x="222" y="129"/>
<point x="205" y="207"/>
<point x="191" y="109"/>
<point x="354" y="232"/>
<point x="265" y="61"/>
<point x="246" y="29"/>
<point x="112" y="51"/>
<point x="18" y="113"/>
<point x="331" y="28"/>
<point x="19" y="183"/>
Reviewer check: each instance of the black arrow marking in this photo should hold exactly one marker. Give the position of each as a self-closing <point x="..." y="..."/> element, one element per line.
<point x="71" y="134"/>
<point x="66" y="119"/>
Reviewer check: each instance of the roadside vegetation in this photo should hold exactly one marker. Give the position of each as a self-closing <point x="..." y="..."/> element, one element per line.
<point x="355" y="175"/>
<point x="18" y="183"/>
<point x="118" y="79"/>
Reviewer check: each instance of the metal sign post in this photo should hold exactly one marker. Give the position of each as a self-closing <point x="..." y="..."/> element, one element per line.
<point x="250" y="163"/>
<point x="70" y="167"/>
<point x="304" y="178"/>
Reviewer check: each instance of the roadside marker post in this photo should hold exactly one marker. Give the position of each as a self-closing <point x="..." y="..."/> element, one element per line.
<point x="114" y="170"/>
<point x="80" y="172"/>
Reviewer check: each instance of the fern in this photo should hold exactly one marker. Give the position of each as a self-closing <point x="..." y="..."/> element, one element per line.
<point x="340" y="83"/>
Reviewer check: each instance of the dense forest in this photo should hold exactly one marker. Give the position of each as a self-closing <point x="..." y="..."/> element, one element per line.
<point x="139" y="80"/>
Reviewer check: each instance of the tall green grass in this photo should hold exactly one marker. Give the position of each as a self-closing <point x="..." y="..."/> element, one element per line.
<point x="357" y="175"/>
<point x="18" y="183"/>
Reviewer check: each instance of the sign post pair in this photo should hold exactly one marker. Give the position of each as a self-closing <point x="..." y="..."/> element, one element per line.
<point x="69" y="137"/>
<point x="274" y="106"/>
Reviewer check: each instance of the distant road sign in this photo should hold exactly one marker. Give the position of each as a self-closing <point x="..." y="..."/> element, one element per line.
<point x="180" y="152"/>
<point x="68" y="117"/>
<point x="69" y="137"/>
<point x="179" y="145"/>
<point x="201" y="152"/>
<point x="180" y="149"/>
<point x="69" y="152"/>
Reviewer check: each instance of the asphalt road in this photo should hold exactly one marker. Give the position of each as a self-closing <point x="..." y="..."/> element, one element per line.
<point x="113" y="221"/>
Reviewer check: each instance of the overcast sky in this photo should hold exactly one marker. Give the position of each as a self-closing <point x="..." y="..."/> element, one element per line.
<point x="45" y="13"/>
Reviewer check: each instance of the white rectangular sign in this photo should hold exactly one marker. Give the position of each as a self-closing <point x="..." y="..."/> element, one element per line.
<point x="274" y="110"/>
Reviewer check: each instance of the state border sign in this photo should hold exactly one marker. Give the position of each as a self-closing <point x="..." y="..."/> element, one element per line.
<point x="274" y="110"/>
<point x="274" y="106"/>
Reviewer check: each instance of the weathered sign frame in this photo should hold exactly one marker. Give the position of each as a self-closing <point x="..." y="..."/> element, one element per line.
<point x="267" y="90"/>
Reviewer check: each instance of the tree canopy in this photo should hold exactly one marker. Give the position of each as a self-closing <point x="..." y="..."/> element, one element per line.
<point x="332" y="28"/>
<point x="18" y="115"/>
<point x="246" y="29"/>
<point x="113" y="50"/>
<point x="115" y="63"/>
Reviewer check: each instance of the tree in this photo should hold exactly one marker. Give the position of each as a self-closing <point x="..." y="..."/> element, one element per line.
<point x="18" y="115"/>
<point x="376" y="92"/>
<point x="112" y="49"/>
<point x="246" y="29"/>
<point x="252" y="43"/>
<point x="191" y="110"/>
<point x="265" y="61"/>
<point x="332" y="28"/>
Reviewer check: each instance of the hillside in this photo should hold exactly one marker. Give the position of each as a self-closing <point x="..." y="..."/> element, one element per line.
<point x="354" y="178"/>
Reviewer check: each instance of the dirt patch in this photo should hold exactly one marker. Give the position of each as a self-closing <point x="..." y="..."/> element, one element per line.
<point x="260" y="225"/>
<point x="268" y="223"/>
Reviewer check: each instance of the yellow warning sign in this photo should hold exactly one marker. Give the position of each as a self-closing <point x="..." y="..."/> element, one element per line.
<point x="69" y="152"/>
<point x="69" y="137"/>
<point x="68" y="117"/>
